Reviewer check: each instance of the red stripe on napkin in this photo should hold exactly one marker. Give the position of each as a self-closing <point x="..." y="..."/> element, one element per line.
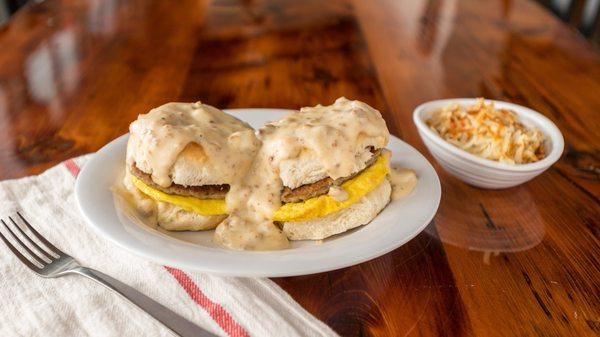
<point x="215" y="310"/>
<point x="72" y="167"/>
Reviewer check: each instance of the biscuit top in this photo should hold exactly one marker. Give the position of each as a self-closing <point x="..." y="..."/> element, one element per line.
<point x="190" y="144"/>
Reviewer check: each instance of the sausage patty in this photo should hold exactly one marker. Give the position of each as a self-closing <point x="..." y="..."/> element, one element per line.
<point x="298" y="194"/>
<point x="201" y="192"/>
<point x="320" y="187"/>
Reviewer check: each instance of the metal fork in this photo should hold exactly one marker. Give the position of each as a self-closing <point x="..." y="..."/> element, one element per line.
<point x="50" y="262"/>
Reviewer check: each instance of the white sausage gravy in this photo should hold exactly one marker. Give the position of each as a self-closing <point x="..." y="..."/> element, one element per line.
<point x="336" y="136"/>
<point x="403" y="181"/>
<point x="158" y="137"/>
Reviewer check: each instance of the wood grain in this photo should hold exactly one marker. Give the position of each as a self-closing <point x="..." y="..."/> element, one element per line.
<point x="521" y="261"/>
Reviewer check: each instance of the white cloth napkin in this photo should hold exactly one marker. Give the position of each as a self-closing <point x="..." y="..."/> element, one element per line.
<point x="75" y="306"/>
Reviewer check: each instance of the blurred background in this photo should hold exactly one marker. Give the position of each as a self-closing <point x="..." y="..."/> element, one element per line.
<point x="581" y="15"/>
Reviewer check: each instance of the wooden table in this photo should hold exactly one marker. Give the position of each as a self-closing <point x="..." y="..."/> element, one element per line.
<point x="521" y="261"/>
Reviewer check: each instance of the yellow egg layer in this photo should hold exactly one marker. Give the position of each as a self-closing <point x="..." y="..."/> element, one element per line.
<point x="323" y="205"/>
<point x="190" y="204"/>
<point x="313" y="208"/>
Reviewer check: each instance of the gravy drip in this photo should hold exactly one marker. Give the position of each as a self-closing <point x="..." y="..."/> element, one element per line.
<point x="338" y="193"/>
<point x="335" y="135"/>
<point x="159" y="136"/>
<point x="403" y="181"/>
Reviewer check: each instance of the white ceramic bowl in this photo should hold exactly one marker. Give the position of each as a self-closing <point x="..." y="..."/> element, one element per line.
<point x="483" y="172"/>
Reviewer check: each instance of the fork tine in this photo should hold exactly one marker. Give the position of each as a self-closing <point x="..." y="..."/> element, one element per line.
<point x="17" y="253"/>
<point x="39" y="236"/>
<point x="34" y="257"/>
<point x="43" y="252"/>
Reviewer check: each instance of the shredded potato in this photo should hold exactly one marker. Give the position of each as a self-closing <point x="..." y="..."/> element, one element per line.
<point x="490" y="133"/>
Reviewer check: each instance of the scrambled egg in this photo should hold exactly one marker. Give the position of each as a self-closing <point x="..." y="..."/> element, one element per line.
<point x="190" y="204"/>
<point x="323" y="205"/>
<point x="313" y="208"/>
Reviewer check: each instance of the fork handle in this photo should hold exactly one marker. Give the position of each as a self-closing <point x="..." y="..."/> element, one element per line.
<point x="171" y="320"/>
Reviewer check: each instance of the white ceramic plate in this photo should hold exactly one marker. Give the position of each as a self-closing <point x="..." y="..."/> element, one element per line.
<point x="399" y="222"/>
